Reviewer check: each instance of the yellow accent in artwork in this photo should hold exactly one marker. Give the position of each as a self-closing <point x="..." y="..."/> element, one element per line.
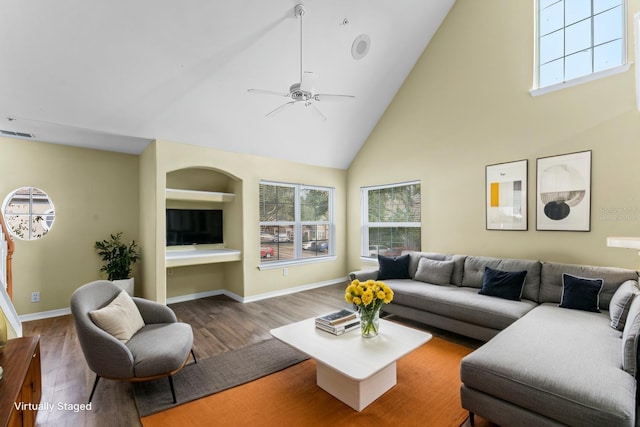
<point x="495" y="195"/>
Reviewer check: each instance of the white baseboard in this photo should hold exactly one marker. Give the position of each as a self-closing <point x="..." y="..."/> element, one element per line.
<point x="258" y="297"/>
<point x="191" y="297"/>
<point x="45" y="314"/>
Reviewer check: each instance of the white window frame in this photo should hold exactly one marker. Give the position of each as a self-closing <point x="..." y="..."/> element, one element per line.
<point x="538" y="90"/>
<point x="364" y="198"/>
<point x="298" y="226"/>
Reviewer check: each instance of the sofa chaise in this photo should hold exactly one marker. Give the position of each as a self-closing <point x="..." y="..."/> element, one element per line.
<point x="561" y="349"/>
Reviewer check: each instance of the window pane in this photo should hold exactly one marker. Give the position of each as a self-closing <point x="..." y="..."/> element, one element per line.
<point x="395" y="204"/>
<point x="392" y="241"/>
<point x="576" y="10"/>
<point x="551" y="47"/>
<point x="578" y="37"/>
<point x="314" y="205"/>
<point x="315" y="240"/>
<point x="276" y="243"/>
<point x="578" y="64"/>
<point x="607" y="26"/>
<point x="602" y="5"/>
<point x="551" y="17"/>
<point x="551" y="73"/>
<point x="276" y="203"/>
<point x="607" y="55"/>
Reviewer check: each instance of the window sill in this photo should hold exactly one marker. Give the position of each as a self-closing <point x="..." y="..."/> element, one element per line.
<point x="279" y="264"/>
<point x="580" y="80"/>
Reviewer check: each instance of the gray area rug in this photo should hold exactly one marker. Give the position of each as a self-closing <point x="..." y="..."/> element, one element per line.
<point x="215" y="374"/>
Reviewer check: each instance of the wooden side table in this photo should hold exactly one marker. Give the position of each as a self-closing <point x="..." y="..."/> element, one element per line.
<point x="21" y="384"/>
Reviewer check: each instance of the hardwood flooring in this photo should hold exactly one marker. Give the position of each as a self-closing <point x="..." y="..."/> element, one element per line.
<point x="219" y="324"/>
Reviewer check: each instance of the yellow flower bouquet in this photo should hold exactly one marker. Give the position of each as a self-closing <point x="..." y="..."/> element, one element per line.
<point x="368" y="298"/>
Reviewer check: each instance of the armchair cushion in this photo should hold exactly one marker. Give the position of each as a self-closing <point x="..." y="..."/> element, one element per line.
<point x="160" y="348"/>
<point x="120" y="318"/>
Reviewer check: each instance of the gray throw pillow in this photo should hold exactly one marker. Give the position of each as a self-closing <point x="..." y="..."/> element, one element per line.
<point x="630" y="335"/>
<point x="436" y="272"/>
<point x="620" y="303"/>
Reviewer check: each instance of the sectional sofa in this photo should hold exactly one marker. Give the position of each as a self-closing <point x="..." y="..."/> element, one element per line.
<point x="561" y="339"/>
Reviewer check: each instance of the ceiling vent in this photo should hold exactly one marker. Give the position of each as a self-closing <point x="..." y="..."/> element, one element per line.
<point x="360" y="46"/>
<point x="17" y="134"/>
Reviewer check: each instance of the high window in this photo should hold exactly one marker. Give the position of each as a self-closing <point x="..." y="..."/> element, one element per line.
<point x="296" y="222"/>
<point x="578" y="38"/>
<point x="391" y="219"/>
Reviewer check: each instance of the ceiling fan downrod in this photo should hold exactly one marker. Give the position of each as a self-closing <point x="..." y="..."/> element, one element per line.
<point x="299" y="12"/>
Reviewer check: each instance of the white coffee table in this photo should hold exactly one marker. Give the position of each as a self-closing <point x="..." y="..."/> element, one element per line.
<point x="353" y="369"/>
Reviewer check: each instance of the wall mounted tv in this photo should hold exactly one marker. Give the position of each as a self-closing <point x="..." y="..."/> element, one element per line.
<point x="194" y="226"/>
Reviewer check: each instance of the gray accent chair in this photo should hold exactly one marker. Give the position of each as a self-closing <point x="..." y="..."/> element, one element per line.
<point x="160" y="349"/>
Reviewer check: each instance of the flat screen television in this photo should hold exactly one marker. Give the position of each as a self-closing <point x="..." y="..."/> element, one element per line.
<point x="194" y="226"/>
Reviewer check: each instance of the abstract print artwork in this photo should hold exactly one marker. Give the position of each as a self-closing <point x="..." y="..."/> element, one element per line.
<point x="563" y="199"/>
<point x="506" y="194"/>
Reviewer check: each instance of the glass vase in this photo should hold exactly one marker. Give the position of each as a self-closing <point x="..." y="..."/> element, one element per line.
<point x="369" y="323"/>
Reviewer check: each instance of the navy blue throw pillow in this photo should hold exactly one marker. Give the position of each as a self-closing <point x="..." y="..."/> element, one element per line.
<point x="580" y="293"/>
<point x="503" y="284"/>
<point x="393" y="267"/>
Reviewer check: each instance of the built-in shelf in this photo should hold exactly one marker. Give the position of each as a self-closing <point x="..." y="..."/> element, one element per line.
<point x="181" y="257"/>
<point x="198" y="196"/>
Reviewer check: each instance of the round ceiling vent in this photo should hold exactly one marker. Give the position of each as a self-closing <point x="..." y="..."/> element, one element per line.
<point x="360" y="46"/>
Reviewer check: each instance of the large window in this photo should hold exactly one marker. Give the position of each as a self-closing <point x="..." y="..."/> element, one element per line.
<point x="577" y="38"/>
<point x="296" y="222"/>
<point x="391" y="219"/>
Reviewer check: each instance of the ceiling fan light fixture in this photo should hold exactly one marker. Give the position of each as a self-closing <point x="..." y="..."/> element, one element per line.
<point x="360" y="46"/>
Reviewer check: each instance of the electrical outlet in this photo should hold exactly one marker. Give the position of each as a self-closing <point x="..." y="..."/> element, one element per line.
<point x="35" y="296"/>
<point x="285" y="271"/>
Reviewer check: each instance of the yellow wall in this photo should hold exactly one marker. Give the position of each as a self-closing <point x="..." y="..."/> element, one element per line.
<point x="466" y="104"/>
<point x="241" y="221"/>
<point x="95" y="193"/>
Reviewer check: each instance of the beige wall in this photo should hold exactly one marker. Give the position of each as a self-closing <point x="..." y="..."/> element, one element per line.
<point x="95" y="193"/>
<point x="466" y="105"/>
<point x="241" y="222"/>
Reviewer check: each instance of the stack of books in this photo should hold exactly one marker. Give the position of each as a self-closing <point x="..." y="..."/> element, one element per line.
<point x="338" y="322"/>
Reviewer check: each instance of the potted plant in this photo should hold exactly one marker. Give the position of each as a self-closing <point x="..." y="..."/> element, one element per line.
<point x="118" y="257"/>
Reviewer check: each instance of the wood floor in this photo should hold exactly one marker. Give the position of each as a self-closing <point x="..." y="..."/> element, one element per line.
<point x="219" y="324"/>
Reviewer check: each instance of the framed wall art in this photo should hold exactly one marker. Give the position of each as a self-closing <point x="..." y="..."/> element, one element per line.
<point x="563" y="192"/>
<point x="506" y="194"/>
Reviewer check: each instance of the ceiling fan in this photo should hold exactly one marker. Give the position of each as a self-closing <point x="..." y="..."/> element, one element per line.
<point x="302" y="91"/>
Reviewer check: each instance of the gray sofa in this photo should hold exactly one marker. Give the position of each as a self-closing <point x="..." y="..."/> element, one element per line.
<point x="542" y="364"/>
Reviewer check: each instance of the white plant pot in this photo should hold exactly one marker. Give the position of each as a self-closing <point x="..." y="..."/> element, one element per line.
<point x="126" y="284"/>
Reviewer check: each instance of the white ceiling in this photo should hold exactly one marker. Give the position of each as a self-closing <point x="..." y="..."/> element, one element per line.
<point x="115" y="74"/>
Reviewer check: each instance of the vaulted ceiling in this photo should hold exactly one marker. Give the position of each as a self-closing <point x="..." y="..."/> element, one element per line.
<point x="116" y="74"/>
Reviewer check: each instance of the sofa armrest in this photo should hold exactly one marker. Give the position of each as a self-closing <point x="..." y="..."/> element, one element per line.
<point x="363" y="275"/>
<point x="153" y="312"/>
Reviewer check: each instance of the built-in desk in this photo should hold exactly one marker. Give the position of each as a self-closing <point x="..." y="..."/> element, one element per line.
<point x="184" y="257"/>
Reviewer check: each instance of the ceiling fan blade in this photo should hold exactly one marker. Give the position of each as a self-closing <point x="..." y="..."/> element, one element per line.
<point x="280" y="108"/>
<point x="332" y="97"/>
<point x="267" y="92"/>
<point x="316" y="110"/>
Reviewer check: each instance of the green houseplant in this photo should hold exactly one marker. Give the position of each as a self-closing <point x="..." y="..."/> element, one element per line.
<point x="118" y="257"/>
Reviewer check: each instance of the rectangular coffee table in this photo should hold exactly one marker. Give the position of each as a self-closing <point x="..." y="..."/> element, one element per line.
<point x="353" y="369"/>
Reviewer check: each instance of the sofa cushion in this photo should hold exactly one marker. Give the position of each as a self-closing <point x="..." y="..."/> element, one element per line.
<point x="120" y="318"/>
<point x="579" y="293"/>
<point x="458" y="264"/>
<point x="620" y="303"/>
<point x="474" y="272"/>
<point x="630" y="336"/>
<point x="393" y="267"/>
<point x="562" y="364"/>
<point x="459" y="303"/>
<point x="503" y="284"/>
<point x="436" y="272"/>
<point x="551" y="280"/>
